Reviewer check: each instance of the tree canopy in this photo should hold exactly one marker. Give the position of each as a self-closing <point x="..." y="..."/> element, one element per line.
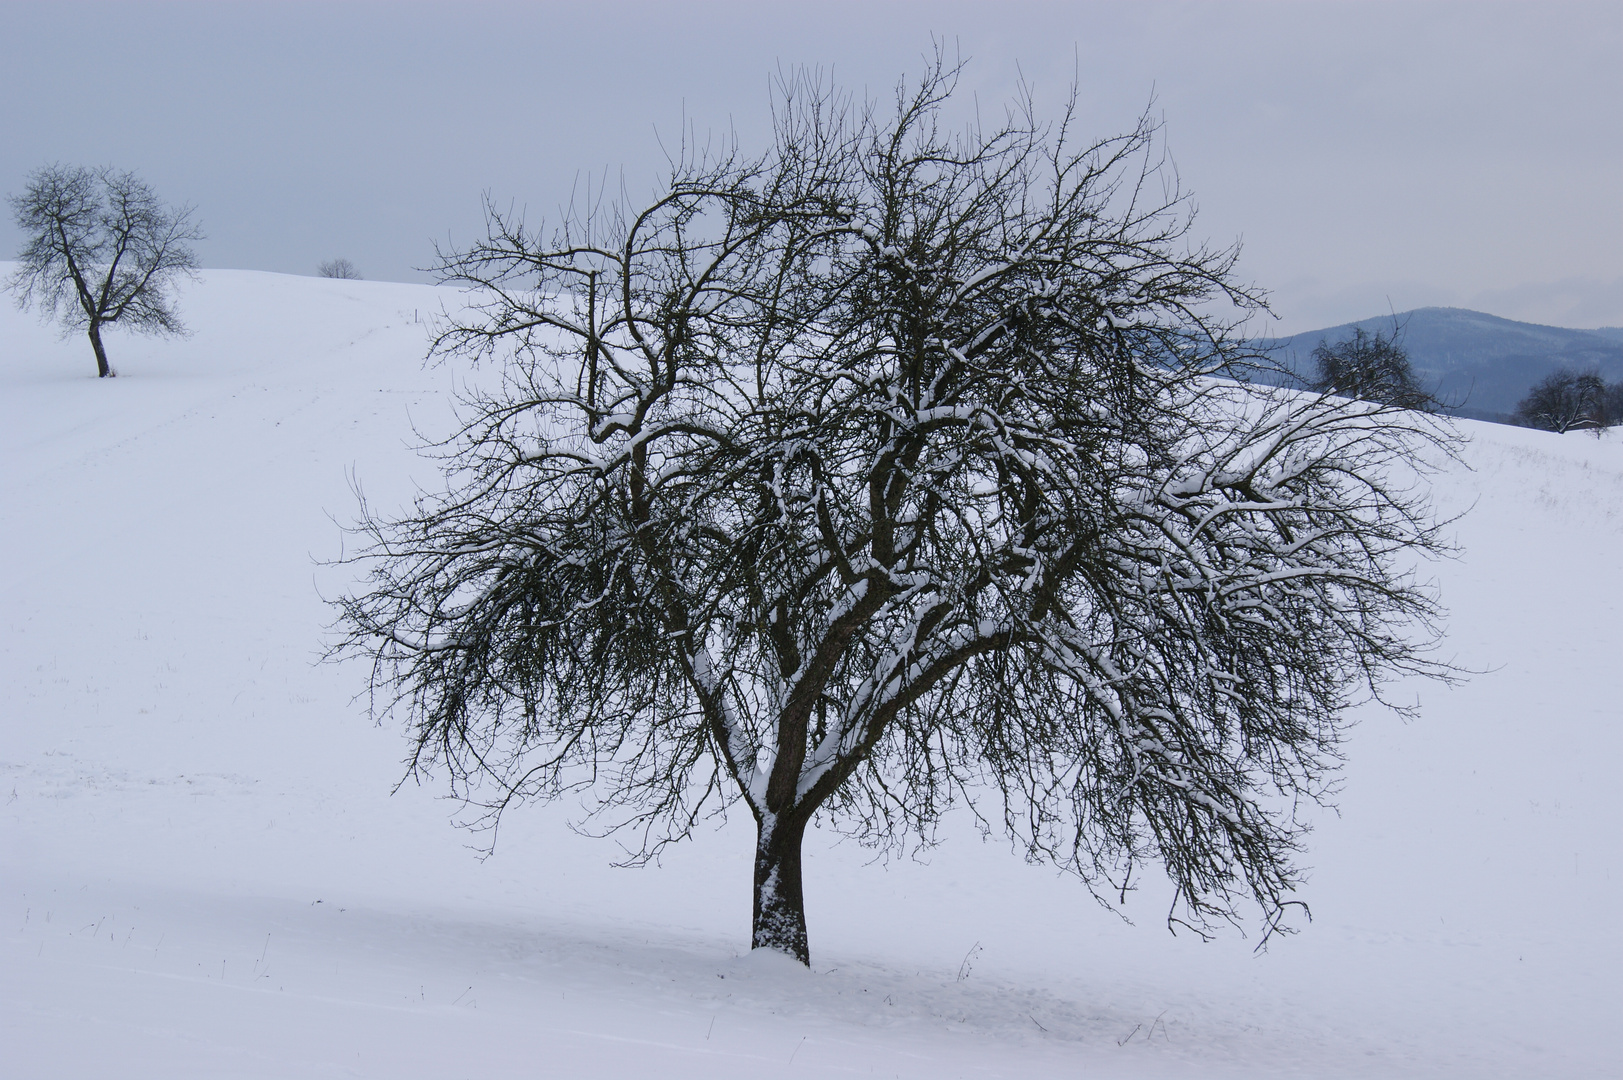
<point x="886" y="471"/>
<point x="338" y="268"/>
<point x="1369" y="366"/>
<point x="102" y="250"/>
<point x="1567" y="401"/>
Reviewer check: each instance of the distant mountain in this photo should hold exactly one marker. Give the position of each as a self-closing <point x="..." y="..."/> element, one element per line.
<point x="1481" y="363"/>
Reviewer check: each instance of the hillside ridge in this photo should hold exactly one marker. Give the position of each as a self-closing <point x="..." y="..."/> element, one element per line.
<point x="1479" y="364"/>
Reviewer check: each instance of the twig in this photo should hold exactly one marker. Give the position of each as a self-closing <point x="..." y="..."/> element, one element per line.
<point x="965" y="968"/>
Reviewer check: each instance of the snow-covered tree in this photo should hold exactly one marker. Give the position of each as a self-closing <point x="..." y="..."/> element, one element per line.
<point x="885" y="472"/>
<point x="103" y="250"/>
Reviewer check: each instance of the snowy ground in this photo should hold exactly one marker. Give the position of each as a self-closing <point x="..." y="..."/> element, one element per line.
<point x="203" y="872"/>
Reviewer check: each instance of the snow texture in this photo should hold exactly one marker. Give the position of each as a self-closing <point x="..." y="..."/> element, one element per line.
<point x="203" y="871"/>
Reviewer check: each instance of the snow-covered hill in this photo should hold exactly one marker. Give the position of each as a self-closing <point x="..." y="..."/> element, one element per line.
<point x="203" y="872"/>
<point x="1480" y="363"/>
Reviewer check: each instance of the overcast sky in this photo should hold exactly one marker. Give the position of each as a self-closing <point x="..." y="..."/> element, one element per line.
<point x="1369" y="156"/>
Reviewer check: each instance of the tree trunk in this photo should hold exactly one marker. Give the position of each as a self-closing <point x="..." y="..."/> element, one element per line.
<point x="103" y="369"/>
<point x="780" y="907"/>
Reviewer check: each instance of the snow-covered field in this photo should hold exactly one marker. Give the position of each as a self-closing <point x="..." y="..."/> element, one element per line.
<point x="203" y="872"/>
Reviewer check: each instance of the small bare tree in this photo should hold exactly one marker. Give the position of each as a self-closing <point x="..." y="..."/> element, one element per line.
<point x="1371" y="367"/>
<point x="1564" y="401"/>
<point x="1612" y="405"/>
<point x="339" y="268"/>
<point x="102" y="250"/>
<point x="885" y="472"/>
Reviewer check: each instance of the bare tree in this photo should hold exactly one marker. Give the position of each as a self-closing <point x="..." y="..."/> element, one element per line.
<point x="1371" y="367"/>
<point x="1612" y="405"/>
<point x="339" y="268"/>
<point x="1563" y="402"/>
<point x="102" y="250"/>
<point x="882" y="473"/>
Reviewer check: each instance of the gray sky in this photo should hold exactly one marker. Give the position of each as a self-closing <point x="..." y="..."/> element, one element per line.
<point x="1369" y="155"/>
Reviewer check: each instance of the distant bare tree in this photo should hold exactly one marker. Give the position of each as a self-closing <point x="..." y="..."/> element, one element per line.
<point x="884" y="472"/>
<point x="339" y="268"/>
<point x="102" y="250"/>
<point x="1564" y="402"/>
<point x="1370" y="367"/>
<point x="1611" y="413"/>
